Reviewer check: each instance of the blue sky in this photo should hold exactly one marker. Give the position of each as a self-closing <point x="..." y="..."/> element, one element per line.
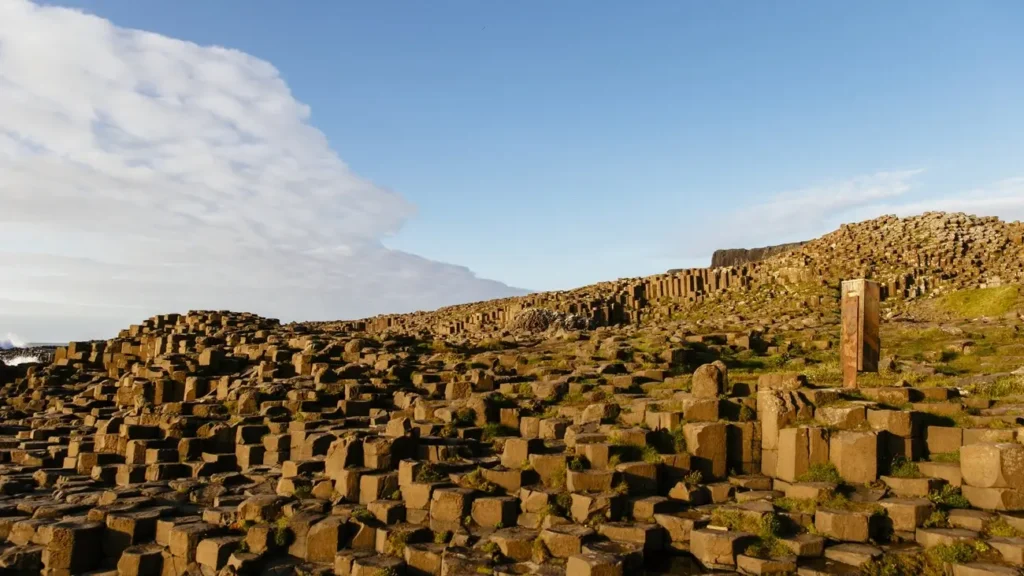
<point x="553" y="144"/>
<point x="544" y="145"/>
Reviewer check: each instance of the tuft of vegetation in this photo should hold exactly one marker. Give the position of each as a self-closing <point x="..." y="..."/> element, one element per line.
<point x="959" y="553"/>
<point x="397" y="540"/>
<point x="465" y="417"/>
<point x="903" y="468"/>
<point x="694" y="478"/>
<point x="946" y="457"/>
<point x="948" y="497"/>
<point x="303" y="492"/>
<point x="430" y="473"/>
<point x="1001" y="388"/>
<point x="282" y="533"/>
<point x="491" y="548"/>
<point x="937" y="519"/>
<point x="802" y="505"/>
<point x="363" y="515"/>
<point x="902" y="564"/>
<point x="443" y="537"/>
<point x="578" y="463"/>
<point x="821" y="473"/>
<point x="476" y="481"/>
<point x="493" y="430"/>
<point x="1001" y="528"/>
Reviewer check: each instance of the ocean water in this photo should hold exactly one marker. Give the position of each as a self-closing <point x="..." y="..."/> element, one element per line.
<point x="13" y="342"/>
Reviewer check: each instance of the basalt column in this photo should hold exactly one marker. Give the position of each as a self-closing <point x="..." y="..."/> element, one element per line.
<point x="860" y="344"/>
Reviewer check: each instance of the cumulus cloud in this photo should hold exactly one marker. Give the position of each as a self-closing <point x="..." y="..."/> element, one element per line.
<point x="144" y="174"/>
<point x="807" y="213"/>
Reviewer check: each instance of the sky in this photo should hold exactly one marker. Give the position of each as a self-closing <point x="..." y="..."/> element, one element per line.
<point x="315" y="160"/>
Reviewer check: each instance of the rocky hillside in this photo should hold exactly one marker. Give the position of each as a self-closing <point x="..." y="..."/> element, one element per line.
<point x="688" y="423"/>
<point x="921" y="256"/>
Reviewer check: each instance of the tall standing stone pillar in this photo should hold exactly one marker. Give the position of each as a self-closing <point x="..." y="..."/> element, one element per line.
<point x="860" y="345"/>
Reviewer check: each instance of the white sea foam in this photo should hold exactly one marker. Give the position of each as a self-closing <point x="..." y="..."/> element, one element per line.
<point x="22" y="360"/>
<point x="11" y="342"/>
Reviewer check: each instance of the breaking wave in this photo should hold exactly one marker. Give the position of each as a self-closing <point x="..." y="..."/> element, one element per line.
<point x="11" y="342"/>
<point x="22" y="360"/>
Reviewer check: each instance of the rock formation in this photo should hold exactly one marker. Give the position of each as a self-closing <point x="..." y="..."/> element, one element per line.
<point x="679" y="424"/>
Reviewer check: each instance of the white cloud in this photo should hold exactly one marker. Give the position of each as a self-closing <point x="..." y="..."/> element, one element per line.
<point x="810" y="212"/>
<point x="800" y="214"/>
<point x="143" y="174"/>
<point x="1004" y="199"/>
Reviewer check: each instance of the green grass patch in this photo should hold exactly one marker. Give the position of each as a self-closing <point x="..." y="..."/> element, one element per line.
<point x="903" y="468"/>
<point x="978" y="302"/>
<point x="949" y="497"/>
<point x="821" y="473"/>
<point x="946" y="457"/>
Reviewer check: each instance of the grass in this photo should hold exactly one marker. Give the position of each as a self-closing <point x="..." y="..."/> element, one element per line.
<point x="937" y="519"/>
<point x="946" y="457"/>
<point x="476" y="481"/>
<point x="949" y="497"/>
<point x="430" y="473"/>
<point x="802" y="505"/>
<point x="980" y="302"/>
<point x="465" y="417"/>
<point x="821" y="473"/>
<point x="903" y="468"/>
<point x="959" y="553"/>
<point x="1003" y="387"/>
<point x="693" y="478"/>
<point x="494" y="430"/>
<point x="577" y="463"/>
<point x="766" y="527"/>
<point x="1000" y="528"/>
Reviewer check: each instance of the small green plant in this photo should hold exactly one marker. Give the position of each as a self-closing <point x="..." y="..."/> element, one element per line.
<point x="821" y="473"/>
<point x="694" y="478"/>
<point x="903" y="468"/>
<point x="398" y="540"/>
<point x="577" y="463"/>
<point x="557" y="479"/>
<point x="443" y="537"/>
<point x="903" y="564"/>
<point x="959" y="553"/>
<point x="622" y="488"/>
<point x="1001" y="528"/>
<point x="937" y="519"/>
<point x="651" y="455"/>
<point x="303" y="492"/>
<point x="493" y="430"/>
<point x="363" y="515"/>
<point x="429" y="473"/>
<point x="476" y="481"/>
<point x="282" y="533"/>
<point x="949" y="497"/>
<point x="804" y="506"/>
<point x="490" y="548"/>
<point x="465" y="417"/>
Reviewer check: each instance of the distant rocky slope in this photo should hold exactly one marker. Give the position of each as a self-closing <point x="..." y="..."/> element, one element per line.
<point x="740" y="256"/>
<point x="912" y="257"/>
